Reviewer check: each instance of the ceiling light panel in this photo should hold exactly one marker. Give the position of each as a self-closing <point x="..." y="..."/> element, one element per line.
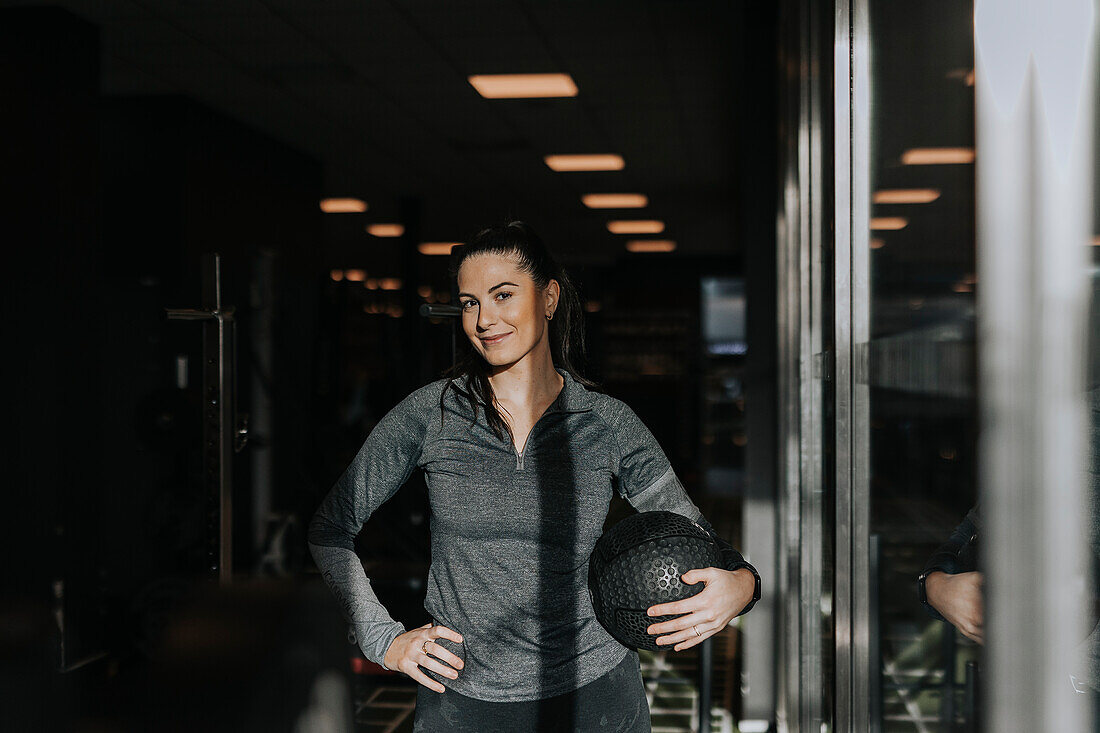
<point x="385" y="230"/>
<point x="436" y="248"/>
<point x="888" y="223"/>
<point x="650" y="245"/>
<point x="636" y="226"/>
<point x="343" y="206"/>
<point x="615" y="200"/>
<point x="906" y="196"/>
<point x="523" y="86"/>
<point x="596" y="162"/>
<point x="937" y="156"/>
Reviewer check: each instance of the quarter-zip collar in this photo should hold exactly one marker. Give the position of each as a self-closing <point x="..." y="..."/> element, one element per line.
<point x="573" y="397"/>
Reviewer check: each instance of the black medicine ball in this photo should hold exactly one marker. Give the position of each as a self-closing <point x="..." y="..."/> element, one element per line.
<point x="637" y="564"/>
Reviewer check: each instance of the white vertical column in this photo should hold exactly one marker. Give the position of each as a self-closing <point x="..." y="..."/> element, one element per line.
<point x="1035" y="65"/>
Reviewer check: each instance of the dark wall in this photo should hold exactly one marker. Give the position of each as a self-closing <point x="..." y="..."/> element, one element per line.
<point x="108" y="205"/>
<point x="50" y="212"/>
<point x="49" y="78"/>
<point x="180" y="181"/>
<point x="757" y="163"/>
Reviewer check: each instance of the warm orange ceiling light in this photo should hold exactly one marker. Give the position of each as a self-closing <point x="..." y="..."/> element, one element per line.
<point x="385" y="230"/>
<point x="594" y="162"/>
<point x="390" y="283"/>
<point x="523" y="86"/>
<point x="906" y="196"/>
<point x="615" y="200"/>
<point x="343" y="206"/>
<point x="336" y="275"/>
<point x="636" y="226"/>
<point x="355" y="275"/>
<point x="937" y="156"/>
<point x="650" y="245"/>
<point x="965" y="75"/>
<point x="888" y="223"/>
<point x="877" y="243"/>
<point x="1096" y="241"/>
<point x="436" y="248"/>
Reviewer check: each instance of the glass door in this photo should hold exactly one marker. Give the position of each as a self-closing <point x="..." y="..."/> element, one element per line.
<point x="917" y="367"/>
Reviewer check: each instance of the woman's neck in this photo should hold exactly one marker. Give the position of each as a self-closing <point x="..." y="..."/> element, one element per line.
<point x="527" y="387"/>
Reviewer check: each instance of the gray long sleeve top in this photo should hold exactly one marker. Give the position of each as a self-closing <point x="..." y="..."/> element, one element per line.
<point x="511" y="532"/>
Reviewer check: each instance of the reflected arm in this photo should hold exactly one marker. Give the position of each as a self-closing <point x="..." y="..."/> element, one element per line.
<point x="957" y="554"/>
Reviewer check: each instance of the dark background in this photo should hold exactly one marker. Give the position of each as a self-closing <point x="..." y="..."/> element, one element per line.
<point x="137" y="138"/>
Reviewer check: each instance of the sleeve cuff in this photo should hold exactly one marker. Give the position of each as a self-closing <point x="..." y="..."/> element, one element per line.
<point x="374" y="640"/>
<point x="756" y="591"/>
<point x="921" y="596"/>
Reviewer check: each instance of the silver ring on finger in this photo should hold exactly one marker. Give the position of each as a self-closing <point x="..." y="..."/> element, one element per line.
<point x="696" y="630"/>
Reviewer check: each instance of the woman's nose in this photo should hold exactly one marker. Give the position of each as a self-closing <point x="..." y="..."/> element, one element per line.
<point x="485" y="318"/>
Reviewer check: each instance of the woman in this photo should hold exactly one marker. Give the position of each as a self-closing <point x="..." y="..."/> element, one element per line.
<point x="520" y="458"/>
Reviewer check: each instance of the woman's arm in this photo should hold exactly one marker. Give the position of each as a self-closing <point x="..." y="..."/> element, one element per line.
<point x="646" y="479"/>
<point x="957" y="599"/>
<point x="667" y="493"/>
<point x="382" y="465"/>
<point x="949" y="558"/>
<point x="372" y="625"/>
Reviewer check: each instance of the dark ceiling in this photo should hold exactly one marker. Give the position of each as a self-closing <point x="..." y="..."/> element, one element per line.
<point x="377" y="91"/>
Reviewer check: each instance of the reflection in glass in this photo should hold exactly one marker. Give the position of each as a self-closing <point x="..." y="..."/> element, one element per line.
<point x="921" y="363"/>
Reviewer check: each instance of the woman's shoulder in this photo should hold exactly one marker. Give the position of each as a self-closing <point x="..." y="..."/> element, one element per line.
<point x="610" y="408"/>
<point x="450" y="391"/>
<point x="623" y="422"/>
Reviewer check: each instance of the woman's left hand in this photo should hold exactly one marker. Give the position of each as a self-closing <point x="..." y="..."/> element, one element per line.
<point x="725" y="593"/>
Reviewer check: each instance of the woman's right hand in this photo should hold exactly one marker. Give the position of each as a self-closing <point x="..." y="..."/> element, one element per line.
<point x="417" y="648"/>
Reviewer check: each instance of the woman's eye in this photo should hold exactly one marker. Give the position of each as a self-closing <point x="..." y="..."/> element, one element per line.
<point x="465" y="303"/>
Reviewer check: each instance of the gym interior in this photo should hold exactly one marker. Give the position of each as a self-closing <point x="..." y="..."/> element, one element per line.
<point x="842" y="258"/>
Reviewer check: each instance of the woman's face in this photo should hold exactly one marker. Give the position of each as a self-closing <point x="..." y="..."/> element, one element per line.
<point x="500" y="300"/>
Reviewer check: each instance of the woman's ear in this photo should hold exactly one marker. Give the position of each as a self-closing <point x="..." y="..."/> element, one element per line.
<point x="553" y="292"/>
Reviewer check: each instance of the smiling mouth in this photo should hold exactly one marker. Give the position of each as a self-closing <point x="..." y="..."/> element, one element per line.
<point x="496" y="340"/>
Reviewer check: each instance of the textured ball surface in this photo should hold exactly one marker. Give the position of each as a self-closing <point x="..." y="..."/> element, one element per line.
<point x="637" y="564"/>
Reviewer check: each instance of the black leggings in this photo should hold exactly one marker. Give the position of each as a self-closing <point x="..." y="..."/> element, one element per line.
<point x="614" y="703"/>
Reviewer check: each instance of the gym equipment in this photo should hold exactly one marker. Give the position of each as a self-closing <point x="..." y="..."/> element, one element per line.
<point x="637" y="564"/>
<point x="225" y="432"/>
